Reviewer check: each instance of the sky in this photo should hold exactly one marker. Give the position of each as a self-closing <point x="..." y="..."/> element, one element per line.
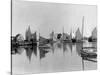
<point x="46" y="17"/>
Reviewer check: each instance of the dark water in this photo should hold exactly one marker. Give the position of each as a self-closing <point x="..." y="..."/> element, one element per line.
<point x="54" y="57"/>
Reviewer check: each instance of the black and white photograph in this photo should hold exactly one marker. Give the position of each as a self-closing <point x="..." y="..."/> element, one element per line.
<point x="49" y="37"/>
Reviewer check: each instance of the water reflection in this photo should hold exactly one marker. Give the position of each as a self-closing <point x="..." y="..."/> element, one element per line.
<point x="43" y="49"/>
<point x="17" y="50"/>
<point x="70" y="45"/>
<point x="64" y="47"/>
<point x="64" y="52"/>
<point x="30" y="50"/>
<point x="42" y="52"/>
<point x="59" y="45"/>
<point x="52" y="46"/>
<point x="78" y="48"/>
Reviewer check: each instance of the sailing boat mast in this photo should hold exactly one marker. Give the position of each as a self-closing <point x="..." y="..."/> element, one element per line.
<point x="82" y="40"/>
<point x="71" y="33"/>
<point x="52" y="35"/>
<point x="63" y="33"/>
<point x="39" y="37"/>
<point x="83" y="26"/>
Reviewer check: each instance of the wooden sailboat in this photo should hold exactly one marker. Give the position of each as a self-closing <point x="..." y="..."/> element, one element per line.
<point x="52" y="40"/>
<point x="43" y="42"/>
<point x="93" y="37"/>
<point x="79" y="36"/>
<point x="86" y="54"/>
<point x="66" y="37"/>
<point x="34" y="39"/>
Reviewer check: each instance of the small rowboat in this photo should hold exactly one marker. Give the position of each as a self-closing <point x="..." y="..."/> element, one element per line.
<point x="89" y="55"/>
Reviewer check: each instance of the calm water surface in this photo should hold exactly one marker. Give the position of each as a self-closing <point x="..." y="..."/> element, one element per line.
<point x="59" y="57"/>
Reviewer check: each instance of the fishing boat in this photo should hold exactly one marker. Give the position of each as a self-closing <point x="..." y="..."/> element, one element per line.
<point x="52" y="38"/>
<point x="88" y="53"/>
<point x="78" y="36"/>
<point x="89" y="56"/>
<point x="43" y="41"/>
<point x="73" y="38"/>
<point x="31" y="38"/>
<point x="45" y="46"/>
<point x="93" y="37"/>
<point x="66" y="38"/>
<point x="34" y="39"/>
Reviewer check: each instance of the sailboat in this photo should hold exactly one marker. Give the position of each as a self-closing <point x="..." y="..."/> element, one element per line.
<point x="73" y="39"/>
<point x="43" y="42"/>
<point x="93" y="37"/>
<point x="34" y="39"/>
<point x="85" y="52"/>
<point x="65" y="37"/>
<point x="30" y="38"/>
<point x="52" y="38"/>
<point x="78" y="36"/>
